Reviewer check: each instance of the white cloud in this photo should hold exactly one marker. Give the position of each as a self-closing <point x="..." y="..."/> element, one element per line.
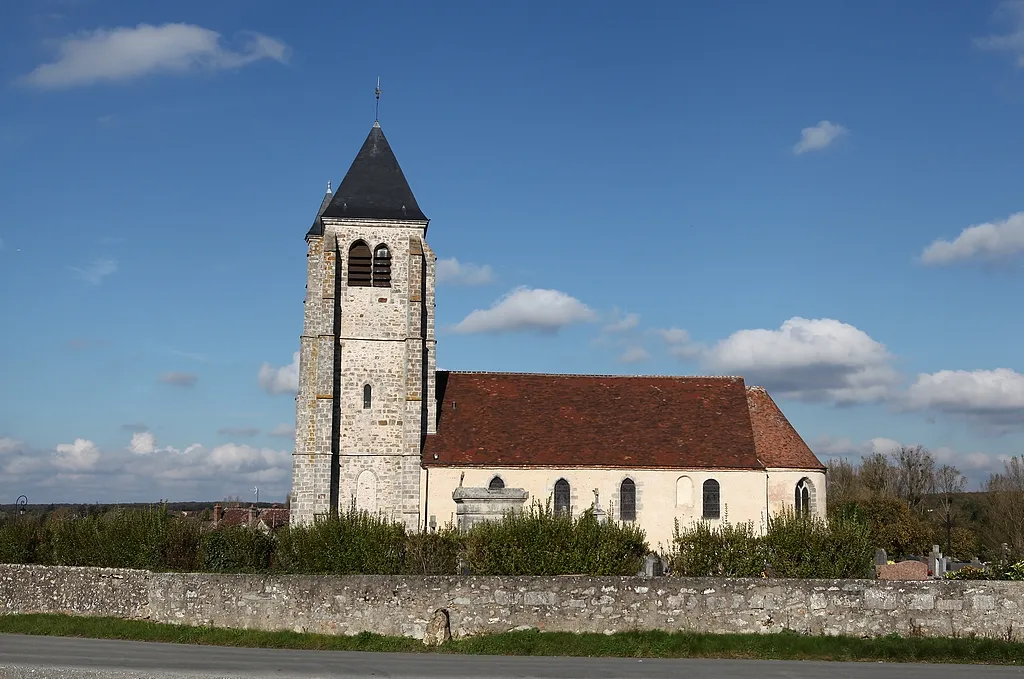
<point x="988" y="241"/>
<point x="993" y="397"/>
<point x="808" y="359"/>
<point x="78" y="456"/>
<point x="818" y="137"/>
<point x="622" y="322"/>
<point x="179" y="379"/>
<point x="679" y="343"/>
<point x="126" y="53"/>
<point x="283" y="380"/>
<point x="634" y="354"/>
<point x="1012" y="42"/>
<point x="526" y="309"/>
<point x="828" y="446"/>
<point x="283" y="431"/>
<point x="452" y="272"/>
<point x="95" y="271"/>
<point x="143" y="471"/>
<point x="143" y="443"/>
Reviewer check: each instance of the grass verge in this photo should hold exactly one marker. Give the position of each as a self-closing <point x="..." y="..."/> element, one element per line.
<point x="782" y="646"/>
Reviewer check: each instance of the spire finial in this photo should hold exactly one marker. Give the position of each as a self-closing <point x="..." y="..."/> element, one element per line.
<point x="328" y="186"/>
<point x="376" y="94"/>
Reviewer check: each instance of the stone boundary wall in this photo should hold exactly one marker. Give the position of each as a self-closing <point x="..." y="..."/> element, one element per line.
<point x="478" y="605"/>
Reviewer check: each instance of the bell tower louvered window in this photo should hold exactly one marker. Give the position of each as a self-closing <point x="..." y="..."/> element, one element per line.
<point x="359" y="264"/>
<point x="382" y="267"/>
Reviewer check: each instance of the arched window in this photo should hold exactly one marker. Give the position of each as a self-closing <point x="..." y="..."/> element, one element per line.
<point x="562" y="496"/>
<point x="382" y="267"/>
<point x="627" y="500"/>
<point x="684" y="491"/>
<point x="359" y="264"/>
<point x="803" y="496"/>
<point x="712" y="499"/>
<point x="496" y="484"/>
<point x="367" y="396"/>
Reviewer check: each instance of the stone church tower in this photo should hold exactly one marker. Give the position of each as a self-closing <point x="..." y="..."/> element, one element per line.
<point x="366" y="395"/>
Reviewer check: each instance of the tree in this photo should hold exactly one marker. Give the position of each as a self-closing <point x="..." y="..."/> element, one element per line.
<point x="876" y="476"/>
<point x="842" y="483"/>
<point x="1003" y="518"/>
<point x="949" y="482"/>
<point x="914" y="474"/>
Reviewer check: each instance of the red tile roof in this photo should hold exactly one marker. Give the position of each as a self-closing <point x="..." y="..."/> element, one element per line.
<point x="778" y="443"/>
<point x="513" y="419"/>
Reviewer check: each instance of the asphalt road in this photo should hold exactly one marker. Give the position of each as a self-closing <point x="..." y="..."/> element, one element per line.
<point x="60" y="658"/>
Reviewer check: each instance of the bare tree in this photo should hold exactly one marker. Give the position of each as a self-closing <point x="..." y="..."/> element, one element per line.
<point x="1004" y="499"/>
<point x="949" y="482"/>
<point x="877" y="476"/>
<point x="842" y="482"/>
<point x="915" y="474"/>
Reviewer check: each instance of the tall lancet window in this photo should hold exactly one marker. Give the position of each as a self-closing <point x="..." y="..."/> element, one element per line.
<point x="367" y="396"/>
<point x="803" y="498"/>
<point x="563" y="496"/>
<point x="359" y="264"/>
<point x="627" y="500"/>
<point x="382" y="267"/>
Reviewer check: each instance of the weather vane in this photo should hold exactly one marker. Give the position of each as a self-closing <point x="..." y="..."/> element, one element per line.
<point x="376" y="94"/>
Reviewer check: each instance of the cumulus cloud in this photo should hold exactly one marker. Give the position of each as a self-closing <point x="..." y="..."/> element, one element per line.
<point x="808" y="359"/>
<point x="126" y="53"/>
<point x="1011" y="13"/>
<point x="179" y="379"/>
<point x="94" y="272"/>
<point x="989" y="241"/>
<point x="829" y="446"/>
<point x="282" y="380"/>
<point x="680" y="344"/>
<point x="991" y="397"/>
<point x="634" y="354"/>
<point x="528" y="309"/>
<point x="283" y="431"/>
<point x="78" y="456"/>
<point x="818" y="137"/>
<point x="143" y="471"/>
<point x="622" y="322"/>
<point x="453" y="272"/>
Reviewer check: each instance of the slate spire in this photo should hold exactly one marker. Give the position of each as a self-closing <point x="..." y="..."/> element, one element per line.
<point x="374" y="187"/>
<point x="318" y="224"/>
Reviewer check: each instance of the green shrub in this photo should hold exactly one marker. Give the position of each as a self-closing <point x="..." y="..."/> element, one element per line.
<point x="237" y="549"/>
<point x="969" y="573"/>
<point x="353" y="542"/>
<point x="808" y="547"/>
<point x="727" y="550"/>
<point x="433" y="553"/>
<point x="791" y="547"/>
<point x="20" y="540"/>
<point x="538" y="542"/>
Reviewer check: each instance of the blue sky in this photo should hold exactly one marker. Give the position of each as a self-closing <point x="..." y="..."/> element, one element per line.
<point x="822" y="197"/>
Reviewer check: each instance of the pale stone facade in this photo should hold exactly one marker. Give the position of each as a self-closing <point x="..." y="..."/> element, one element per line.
<point x="663" y="496"/>
<point x="368" y="400"/>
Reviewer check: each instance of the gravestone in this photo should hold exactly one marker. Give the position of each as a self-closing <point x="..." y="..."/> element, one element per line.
<point x="881" y="558"/>
<point x="903" y="570"/>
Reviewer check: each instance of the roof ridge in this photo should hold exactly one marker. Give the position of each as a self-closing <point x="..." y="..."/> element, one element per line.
<point x="619" y="376"/>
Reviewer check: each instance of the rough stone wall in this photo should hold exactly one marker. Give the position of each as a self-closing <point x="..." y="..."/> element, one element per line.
<point x="403" y="605"/>
<point x="383" y="339"/>
<point x="111" y="592"/>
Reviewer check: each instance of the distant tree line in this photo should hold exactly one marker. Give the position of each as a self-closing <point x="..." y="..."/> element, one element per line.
<point x="910" y="502"/>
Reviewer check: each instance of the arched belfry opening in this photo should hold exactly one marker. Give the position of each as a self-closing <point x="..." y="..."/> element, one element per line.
<point x="382" y="267"/>
<point x="359" y="264"/>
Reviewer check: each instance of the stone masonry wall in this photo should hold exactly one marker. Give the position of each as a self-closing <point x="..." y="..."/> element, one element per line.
<point x="403" y="605"/>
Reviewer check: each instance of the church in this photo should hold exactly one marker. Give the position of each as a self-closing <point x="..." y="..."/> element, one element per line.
<point x="379" y="428"/>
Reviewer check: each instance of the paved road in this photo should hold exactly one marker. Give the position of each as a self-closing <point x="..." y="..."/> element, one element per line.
<point x="65" y="658"/>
